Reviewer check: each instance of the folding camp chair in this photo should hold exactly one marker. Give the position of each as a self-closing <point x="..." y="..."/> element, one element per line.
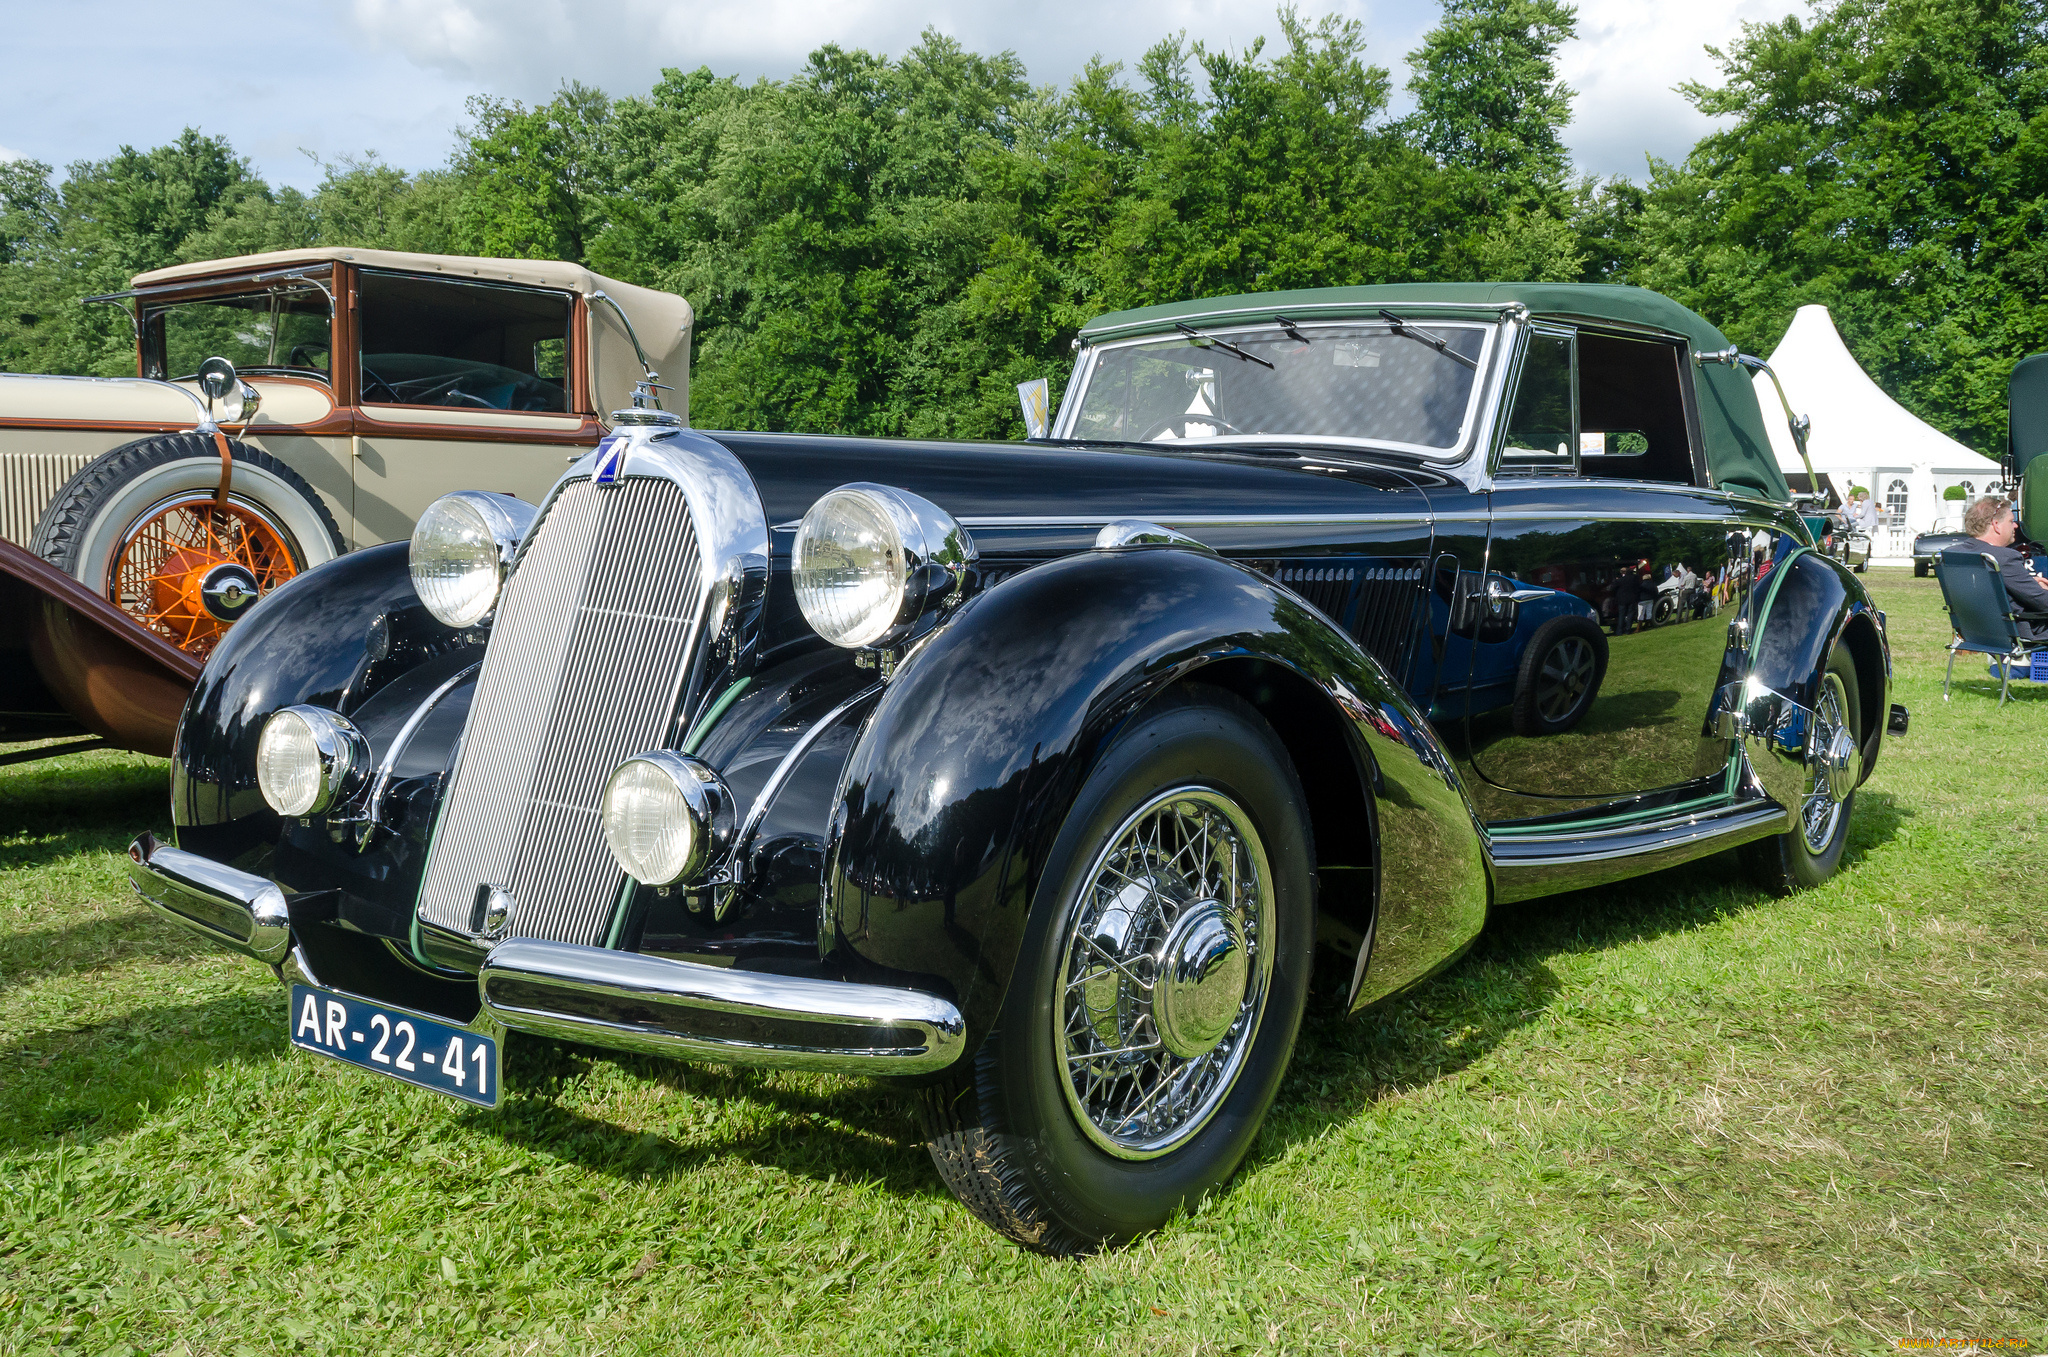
<point x="1985" y="619"/>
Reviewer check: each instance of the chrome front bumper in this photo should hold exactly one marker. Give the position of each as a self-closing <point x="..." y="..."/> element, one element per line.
<point x="679" y="1008"/>
<point x="621" y="1000"/>
<point x="241" y="912"/>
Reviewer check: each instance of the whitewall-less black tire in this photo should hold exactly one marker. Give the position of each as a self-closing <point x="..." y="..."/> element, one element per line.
<point x="1158" y="992"/>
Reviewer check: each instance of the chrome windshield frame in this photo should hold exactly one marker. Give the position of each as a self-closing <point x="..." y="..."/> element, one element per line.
<point x="1476" y="426"/>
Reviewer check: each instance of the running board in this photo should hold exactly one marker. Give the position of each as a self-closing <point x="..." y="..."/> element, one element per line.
<point x="1528" y="865"/>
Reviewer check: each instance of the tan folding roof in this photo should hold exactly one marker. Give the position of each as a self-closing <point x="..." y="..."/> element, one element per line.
<point x="661" y="319"/>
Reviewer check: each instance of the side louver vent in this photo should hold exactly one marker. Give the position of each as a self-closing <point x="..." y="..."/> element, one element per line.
<point x="1376" y="600"/>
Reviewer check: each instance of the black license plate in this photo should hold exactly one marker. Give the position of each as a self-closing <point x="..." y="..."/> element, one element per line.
<point x="395" y="1041"/>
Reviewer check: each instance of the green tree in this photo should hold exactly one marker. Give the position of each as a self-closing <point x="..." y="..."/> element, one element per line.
<point x="28" y="208"/>
<point x="1888" y="159"/>
<point x="531" y="176"/>
<point x="1489" y="109"/>
<point x="108" y="220"/>
<point x="1488" y="100"/>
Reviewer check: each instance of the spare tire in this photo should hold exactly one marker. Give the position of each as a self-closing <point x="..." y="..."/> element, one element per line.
<point x="139" y="525"/>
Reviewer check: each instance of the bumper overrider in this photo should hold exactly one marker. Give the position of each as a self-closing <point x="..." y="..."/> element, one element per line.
<point x="622" y="1000"/>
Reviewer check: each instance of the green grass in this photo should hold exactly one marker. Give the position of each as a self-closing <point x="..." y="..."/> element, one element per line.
<point x="1668" y="1116"/>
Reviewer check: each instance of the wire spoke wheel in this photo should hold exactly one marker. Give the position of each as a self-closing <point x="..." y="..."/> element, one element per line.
<point x="163" y="566"/>
<point x="1165" y="977"/>
<point x="1820" y="809"/>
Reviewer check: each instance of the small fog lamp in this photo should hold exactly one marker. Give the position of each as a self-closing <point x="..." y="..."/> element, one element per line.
<point x="667" y="817"/>
<point x="309" y="760"/>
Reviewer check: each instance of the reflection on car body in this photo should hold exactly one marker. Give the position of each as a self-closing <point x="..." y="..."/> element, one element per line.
<point x="1038" y="773"/>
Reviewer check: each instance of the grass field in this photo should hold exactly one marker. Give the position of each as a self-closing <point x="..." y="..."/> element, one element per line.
<point x="1669" y="1116"/>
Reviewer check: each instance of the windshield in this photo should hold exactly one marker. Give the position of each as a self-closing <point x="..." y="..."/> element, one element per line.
<point x="285" y="330"/>
<point x="1354" y="382"/>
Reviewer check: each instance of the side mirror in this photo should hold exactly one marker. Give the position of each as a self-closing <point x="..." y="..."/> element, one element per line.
<point x="228" y="398"/>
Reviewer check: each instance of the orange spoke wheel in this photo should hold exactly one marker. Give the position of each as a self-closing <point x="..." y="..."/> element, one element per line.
<point x="189" y="567"/>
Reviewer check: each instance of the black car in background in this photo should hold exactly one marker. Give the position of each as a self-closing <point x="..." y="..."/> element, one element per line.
<point x="1047" y="779"/>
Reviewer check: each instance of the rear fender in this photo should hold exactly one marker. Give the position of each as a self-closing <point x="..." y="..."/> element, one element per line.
<point x="1817" y="603"/>
<point x="963" y="776"/>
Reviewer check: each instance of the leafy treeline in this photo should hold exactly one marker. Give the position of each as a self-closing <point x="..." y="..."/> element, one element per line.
<point x="888" y="246"/>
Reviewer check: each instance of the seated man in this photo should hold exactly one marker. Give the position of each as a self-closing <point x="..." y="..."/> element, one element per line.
<point x="1990" y="521"/>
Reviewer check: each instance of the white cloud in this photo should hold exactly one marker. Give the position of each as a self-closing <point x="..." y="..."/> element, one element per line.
<point x="1627" y="59"/>
<point x="525" y="48"/>
<point x="392" y="74"/>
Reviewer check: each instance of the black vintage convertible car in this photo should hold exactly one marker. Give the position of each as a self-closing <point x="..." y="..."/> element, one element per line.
<point x="1047" y="778"/>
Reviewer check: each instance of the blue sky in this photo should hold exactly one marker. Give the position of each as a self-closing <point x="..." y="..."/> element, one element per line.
<point x="293" y="82"/>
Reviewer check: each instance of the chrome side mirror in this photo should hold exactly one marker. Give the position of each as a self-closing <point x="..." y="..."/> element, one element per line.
<point x="229" y="399"/>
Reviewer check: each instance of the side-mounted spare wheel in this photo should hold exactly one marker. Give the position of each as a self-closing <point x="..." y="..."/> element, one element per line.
<point x="140" y="525"/>
<point x="1158" y="992"/>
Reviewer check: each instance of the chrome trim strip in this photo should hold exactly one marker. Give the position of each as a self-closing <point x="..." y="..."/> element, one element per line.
<point x="764" y="800"/>
<point x="1199" y="520"/>
<point x="1098" y="521"/>
<point x="242" y="913"/>
<point x="1529" y="865"/>
<point x="1618" y="841"/>
<point x="372" y="815"/>
<point x="630" y="1002"/>
<point x="1336" y="311"/>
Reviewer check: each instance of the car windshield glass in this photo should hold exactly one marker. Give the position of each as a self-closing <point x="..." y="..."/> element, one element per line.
<point x="285" y="330"/>
<point x="1351" y="382"/>
<point x="480" y="345"/>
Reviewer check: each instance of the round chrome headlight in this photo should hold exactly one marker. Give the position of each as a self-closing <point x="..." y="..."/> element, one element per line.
<point x="308" y="760"/>
<point x="870" y="561"/>
<point x="666" y="817"/>
<point x="461" y="549"/>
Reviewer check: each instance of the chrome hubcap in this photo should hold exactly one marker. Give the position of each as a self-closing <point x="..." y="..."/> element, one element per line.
<point x="1200" y="986"/>
<point x="1834" y="763"/>
<point x="1164" y="979"/>
<point x="228" y="589"/>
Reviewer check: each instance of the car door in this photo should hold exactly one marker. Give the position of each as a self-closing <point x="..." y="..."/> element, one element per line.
<point x="1612" y="575"/>
<point x="459" y="386"/>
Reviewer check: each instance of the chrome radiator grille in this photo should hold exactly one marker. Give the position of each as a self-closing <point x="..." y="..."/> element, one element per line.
<point x="589" y="645"/>
<point x="28" y="482"/>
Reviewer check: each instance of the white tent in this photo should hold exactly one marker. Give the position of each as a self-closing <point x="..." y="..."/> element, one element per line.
<point x="1863" y="437"/>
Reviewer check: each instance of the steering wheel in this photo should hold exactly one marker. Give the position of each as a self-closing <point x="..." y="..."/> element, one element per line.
<point x="302" y="357"/>
<point x="454" y="397"/>
<point x="1181" y="423"/>
<point x="371" y="379"/>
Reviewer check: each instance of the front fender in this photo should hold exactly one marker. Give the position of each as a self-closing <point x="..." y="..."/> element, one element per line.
<point x="958" y="786"/>
<point x="333" y="637"/>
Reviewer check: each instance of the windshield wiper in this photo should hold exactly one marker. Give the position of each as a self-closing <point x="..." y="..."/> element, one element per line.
<point x="1407" y="331"/>
<point x="1222" y="344"/>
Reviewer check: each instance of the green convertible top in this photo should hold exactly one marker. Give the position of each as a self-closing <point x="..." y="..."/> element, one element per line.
<point x="1731" y="422"/>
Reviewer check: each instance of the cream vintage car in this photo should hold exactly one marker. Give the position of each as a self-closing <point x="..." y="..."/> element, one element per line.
<point x="288" y="407"/>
